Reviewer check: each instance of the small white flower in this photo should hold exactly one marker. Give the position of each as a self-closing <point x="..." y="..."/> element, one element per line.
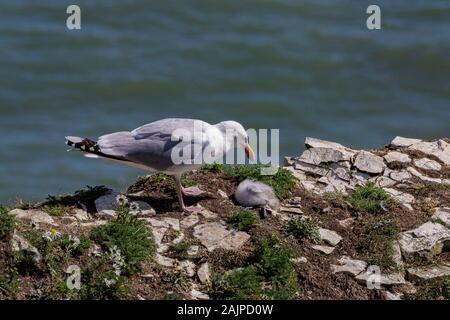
<point x="51" y="235"/>
<point x="110" y="282"/>
<point x="75" y="241"/>
<point x="121" y="200"/>
<point x="134" y="208"/>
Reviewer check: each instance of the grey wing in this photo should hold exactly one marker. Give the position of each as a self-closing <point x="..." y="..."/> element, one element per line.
<point x="150" y="145"/>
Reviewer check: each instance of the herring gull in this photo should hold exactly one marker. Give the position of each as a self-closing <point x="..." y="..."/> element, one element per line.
<point x="172" y="146"/>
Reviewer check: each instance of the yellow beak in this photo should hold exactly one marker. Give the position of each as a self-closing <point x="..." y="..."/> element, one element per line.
<point x="249" y="152"/>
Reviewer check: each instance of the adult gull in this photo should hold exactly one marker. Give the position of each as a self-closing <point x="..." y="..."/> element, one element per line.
<point x="172" y="146"/>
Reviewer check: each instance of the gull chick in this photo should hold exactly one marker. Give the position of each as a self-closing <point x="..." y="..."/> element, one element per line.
<point x="157" y="146"/>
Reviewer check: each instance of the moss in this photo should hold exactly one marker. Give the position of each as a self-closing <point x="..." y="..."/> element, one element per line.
<point x="369" y="198"/>
<point x="378" y="242"/>
<point x="9" y="282"/>
<point x="307" y="228"/>
<point x="130" y="235"/>
<point x="242" y="219"/>
<point x="433" y="289"/>
<point x="240" y="284"/>
<point x="7" y="224"/>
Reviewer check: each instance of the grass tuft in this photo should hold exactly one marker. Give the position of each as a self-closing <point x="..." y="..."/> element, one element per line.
<point x="243" y="219"/>
<point x="130" y="235"/>
<point x="7" y="224"/>
<point x="306" y="228"/>
<point x="369" y="198"/>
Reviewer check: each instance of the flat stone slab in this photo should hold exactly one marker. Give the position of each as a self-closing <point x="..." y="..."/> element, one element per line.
<point x="400" y="142"/>
<point x="427" y="164"/>
<point x="429" y="238"/>
<point x="323" y="249"/>
<point x="320" y="155"/>
<point x="33" y="215"/>
<point x="318" y="143"/>
<point x="349" y="266"/>
<point x="368" y="162"/>
<point x="215" y="235"/>
<point x="203" y="273"/>
<point x="395" y="156"/>
<point x="189" y="221"/>
<point x="439" y="149"/>
<point x="429" y="272"/>
<point x="383" y="279"/>
<point x="400" y="176"/>
<point x="329" y="236"/>
<point x="442" y="215"/>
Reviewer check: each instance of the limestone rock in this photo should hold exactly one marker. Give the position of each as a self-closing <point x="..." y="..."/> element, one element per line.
<point x="188" y="267"/>
<point x="369" y="162"/>
<point x="81" y="215"/>
<point x="442" y="215"/>
<point x="19" y="243"/>
<point x="427" y="164"/>
<point x="192" y="251"/>
<point x="203" y="273"/>
<point x="189" y="221"/>
<point x="33" y="215"/>
<point x="400" y="142"/>
<point x="427" y="239"/>
<point x="324" y="249"/>
<point x="419" y="175"/>
<point x="317" y="143"/>
<point x="383" y="279"/>
<point x="310" y="168"/>
<point x="400" y="176"/>
<point x="384" y="182"/>
<point x="402" y="197"/>
<point x="320" y="155"/>
<point x="346" y="223"/>
<point x="222" y="194"/>
<point x="350" y="266"/>
<point x="429" y="272"/>
<point x="329" y="236"/>
<point x="215" y="235"/>
<point x="439" y="149"/>
<point x="198" y="295"/>
<point x="164" y="261"/>
<point x="395" y="156"/>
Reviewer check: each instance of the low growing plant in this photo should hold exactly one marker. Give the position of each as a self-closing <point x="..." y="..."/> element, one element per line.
<point x="369" y="198"/>
<point x="242" y="219"/>
<point x="306" y="228"/>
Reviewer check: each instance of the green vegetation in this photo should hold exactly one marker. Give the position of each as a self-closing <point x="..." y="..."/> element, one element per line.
<point x="130" y="235"/>
<point x="215" y="167"/>
<point x="7" y="224"/>
<point x="336" y="198"/>
<point x="88" y="195"/>
<point x="272" y="266"/>
<point x="55" y="210"/>
<point x="243" y="219"/>
<point x="239" y="284"/>
<point x="378" y="242"/>
<point x="304" y="228"/>
<point x="369" y="198"/>
<point x="179" y="250"/>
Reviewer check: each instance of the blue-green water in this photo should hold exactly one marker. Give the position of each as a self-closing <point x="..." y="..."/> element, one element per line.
<point x="310" y="68"/>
